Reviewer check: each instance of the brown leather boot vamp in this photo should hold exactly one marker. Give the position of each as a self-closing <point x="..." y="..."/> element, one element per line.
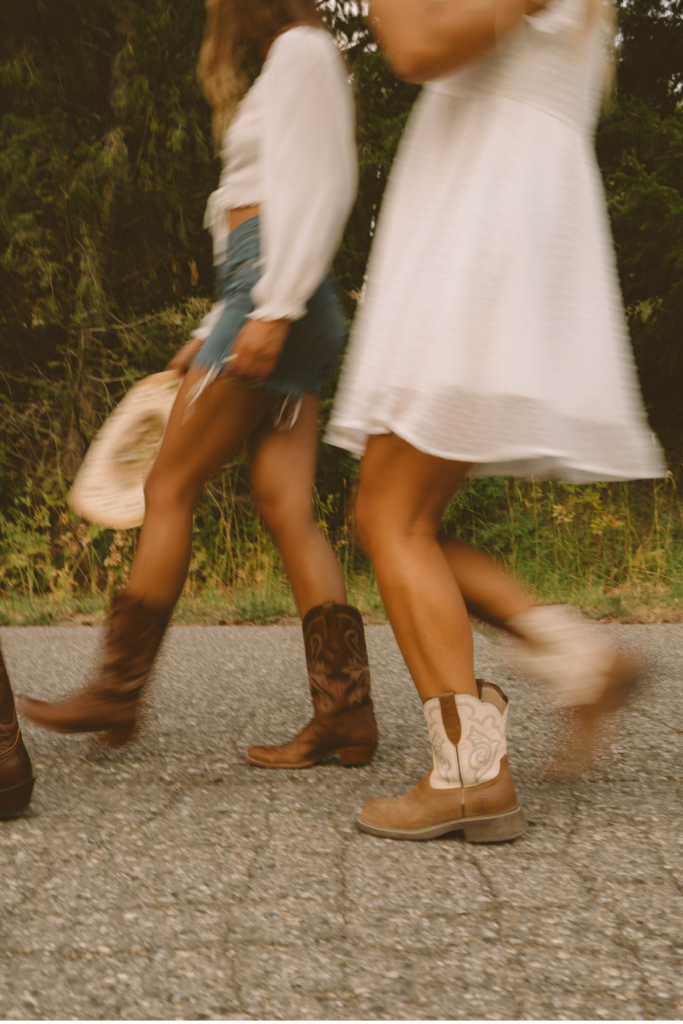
<point x="116" y="719"/>
<point x="487" y="813"/>
<point x="321" y="738"/>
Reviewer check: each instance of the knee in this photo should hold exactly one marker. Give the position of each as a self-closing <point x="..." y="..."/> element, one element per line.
<point x="164" y="490"/>
<point x="283" y="516"/>
<point x="383" y="524"/>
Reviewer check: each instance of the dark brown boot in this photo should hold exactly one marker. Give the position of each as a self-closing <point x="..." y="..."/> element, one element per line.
<point x="16" y="773"/>
<point x="339" y="677"/>
<point x="111" y="703"/>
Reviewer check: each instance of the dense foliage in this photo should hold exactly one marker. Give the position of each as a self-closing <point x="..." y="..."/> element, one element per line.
<point x="640" y="145"/>
<point x="105" y="165"/>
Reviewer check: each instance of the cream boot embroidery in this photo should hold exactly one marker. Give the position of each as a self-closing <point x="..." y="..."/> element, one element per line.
<point x="483" y="742"/>
<point x="446" y="773"/>
<point x="481" y="747"/>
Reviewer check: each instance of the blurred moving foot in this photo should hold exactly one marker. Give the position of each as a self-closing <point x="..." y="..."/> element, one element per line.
<point x="16" y="772"/>
<point x="584" y="671"/>
<point x="339" y="678"/>
<point x="469" y="789"/>
<point x="111" y="704"/>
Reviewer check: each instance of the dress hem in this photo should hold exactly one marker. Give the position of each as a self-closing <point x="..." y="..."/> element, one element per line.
<point x="551" y="465"/>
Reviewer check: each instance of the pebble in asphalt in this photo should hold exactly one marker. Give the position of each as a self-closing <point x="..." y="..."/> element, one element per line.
<point x="171" y="880"/>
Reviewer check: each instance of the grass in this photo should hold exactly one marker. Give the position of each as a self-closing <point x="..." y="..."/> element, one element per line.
<point x="273" y="603"/>
<point x="209" y="606"/>
<point x="613" y="550"/>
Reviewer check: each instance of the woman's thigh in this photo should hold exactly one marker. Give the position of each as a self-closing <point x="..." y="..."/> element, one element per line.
<point x="202" y="434"/>
<point x="283" y="463"/>
<point x="403" y="490"/>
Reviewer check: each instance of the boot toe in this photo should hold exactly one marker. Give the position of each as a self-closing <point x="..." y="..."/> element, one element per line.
<point x="379" y="812"/>
<point x="47" y="715"/>
<point x="36" y="711"/>
<point x="264" y="756"/>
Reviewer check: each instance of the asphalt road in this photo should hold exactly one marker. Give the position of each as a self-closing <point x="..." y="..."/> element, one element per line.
<point x="171" y="880"/>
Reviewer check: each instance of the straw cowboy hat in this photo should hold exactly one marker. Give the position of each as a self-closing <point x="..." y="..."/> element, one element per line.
<point x="108" y="489"/>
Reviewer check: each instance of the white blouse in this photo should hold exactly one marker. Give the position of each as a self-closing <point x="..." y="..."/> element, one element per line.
<point x="493" y="331"/>
<point x="291" y="149"/>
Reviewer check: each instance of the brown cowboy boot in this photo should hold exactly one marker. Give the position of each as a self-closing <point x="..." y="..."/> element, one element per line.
<point x="469" y="789"/>
<point x="339" y="677"/>
<point x="16" y="773"/>
<point x="110" y="705"/>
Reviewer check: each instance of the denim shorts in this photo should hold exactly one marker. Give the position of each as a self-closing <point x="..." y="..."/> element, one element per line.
<point x="314" y="343"/>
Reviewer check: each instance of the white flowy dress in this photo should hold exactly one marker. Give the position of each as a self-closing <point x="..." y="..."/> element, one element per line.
<point x="492" y="330"/>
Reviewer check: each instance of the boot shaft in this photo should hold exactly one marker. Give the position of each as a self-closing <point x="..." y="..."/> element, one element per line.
<point x="337" y="658"/>
<point x="467" y="736"/>
<point x="134" y="633"/>
<point x="16" y="772"/>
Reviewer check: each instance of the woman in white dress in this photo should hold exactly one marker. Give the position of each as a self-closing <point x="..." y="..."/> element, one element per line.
<point x="254" y="376"/>
<point x="491" y="341"/>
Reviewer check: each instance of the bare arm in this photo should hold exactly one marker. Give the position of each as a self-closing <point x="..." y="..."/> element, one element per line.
<point x="425" y="39"/>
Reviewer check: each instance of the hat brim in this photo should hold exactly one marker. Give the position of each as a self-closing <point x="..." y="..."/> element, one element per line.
<point x="109" y="486"/>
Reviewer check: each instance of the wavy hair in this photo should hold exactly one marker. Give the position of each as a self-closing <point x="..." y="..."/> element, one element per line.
<point x="237" y="35"/>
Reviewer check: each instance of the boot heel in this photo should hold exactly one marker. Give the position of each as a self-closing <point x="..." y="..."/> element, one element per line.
<point x="15" y="800"/>
<point x="496" y="828"/>
<point x="353" y="757"/>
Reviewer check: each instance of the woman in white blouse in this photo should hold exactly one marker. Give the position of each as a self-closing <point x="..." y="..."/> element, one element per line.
<point x="491" y="341"/>
<point x="254" y="374"/>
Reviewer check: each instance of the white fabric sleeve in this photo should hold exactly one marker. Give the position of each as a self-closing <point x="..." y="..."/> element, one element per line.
<point x="310" y="170"/>
<point x="214" y="220"/>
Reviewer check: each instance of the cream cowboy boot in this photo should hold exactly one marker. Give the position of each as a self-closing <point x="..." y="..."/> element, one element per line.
<point x="469" y="789"/>
<point x="569" y="655"/>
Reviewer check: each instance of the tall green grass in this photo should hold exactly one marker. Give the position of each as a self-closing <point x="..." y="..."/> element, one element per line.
<point x="615" y="550"/>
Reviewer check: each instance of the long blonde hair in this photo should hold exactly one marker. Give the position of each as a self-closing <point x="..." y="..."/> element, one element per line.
<point x="237" y="34"/>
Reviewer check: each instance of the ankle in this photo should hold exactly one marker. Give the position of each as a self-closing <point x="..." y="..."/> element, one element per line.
<point x="542" y="623"/>
<point x="159" y="604"/>
<point x="463" y="687"/>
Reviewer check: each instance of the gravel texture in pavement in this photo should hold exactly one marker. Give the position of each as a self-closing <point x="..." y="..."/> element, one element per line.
<point x="171" y="880"/>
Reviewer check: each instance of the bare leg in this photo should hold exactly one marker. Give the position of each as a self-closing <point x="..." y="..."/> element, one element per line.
<point x="196" y="444"/>
<point x="488" y="591"/>
<point x="282" y="475"/>
<point x="402" y="496"/>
